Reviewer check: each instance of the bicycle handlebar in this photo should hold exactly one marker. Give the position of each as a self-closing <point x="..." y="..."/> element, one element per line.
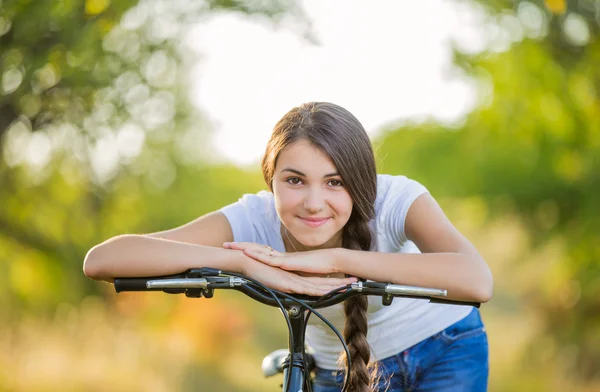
<point x="202" y="282"/>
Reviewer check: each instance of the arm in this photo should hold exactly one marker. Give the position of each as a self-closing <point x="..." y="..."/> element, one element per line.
<point x="449" y="261"/>
<point x="196" y="244"/>
<point x="140" y="255"/>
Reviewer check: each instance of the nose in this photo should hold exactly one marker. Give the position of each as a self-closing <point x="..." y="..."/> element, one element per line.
<point x="314" y="200"/>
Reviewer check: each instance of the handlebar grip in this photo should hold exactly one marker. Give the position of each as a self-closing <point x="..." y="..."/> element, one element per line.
<point x="140" y="283"/>
<point x="130" y="284"/>
<point x="452" y="302"/>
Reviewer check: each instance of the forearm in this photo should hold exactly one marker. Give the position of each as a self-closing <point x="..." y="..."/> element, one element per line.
<point x="465" y="276"/>
<point x="139" y="255"/>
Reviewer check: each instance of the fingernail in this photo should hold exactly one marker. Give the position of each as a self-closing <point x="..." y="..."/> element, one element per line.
<point x="226" y="243"/>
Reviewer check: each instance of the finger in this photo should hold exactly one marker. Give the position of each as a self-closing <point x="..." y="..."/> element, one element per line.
<point x="240" y="245"/>
<point x="322" y="288"/>
<point x="251" y="246"/>
<point x="310" y="287"/>
<point x="297" y="285"/>
<point x="300" y="288"/>
<point x="264" y="249"/>
<point x="235" y="245"/>
<point x="302" y="264"/>
<point x="337" y="282"/>
<point x="264" y="258"/>
<point x="315" y="286"/>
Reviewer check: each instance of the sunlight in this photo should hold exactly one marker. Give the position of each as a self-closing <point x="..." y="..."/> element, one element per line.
<point x="383" y="61"/>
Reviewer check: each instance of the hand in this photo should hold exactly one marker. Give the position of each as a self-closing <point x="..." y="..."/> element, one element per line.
<point x="290" y="282"/>
<point x="315" y="262"/>
<point x="252" y="247"/>
<point x="277" y="278"/>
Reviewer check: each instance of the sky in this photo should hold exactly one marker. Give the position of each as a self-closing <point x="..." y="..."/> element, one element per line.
<point x="385" y="61"/>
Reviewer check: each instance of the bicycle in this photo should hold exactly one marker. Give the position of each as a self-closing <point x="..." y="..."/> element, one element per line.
<point x="295" y="363"/>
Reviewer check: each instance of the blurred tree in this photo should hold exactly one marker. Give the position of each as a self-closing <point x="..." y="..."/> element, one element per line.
<point x="55" y="56"/>
<point x="530" y="147"/>
<point x="93" y="99"/>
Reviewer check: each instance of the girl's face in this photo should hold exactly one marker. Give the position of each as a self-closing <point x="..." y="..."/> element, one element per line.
<point x="310" y="197"/>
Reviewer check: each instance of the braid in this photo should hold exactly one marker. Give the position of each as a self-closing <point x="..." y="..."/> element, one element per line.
<point x="362" y="376"/>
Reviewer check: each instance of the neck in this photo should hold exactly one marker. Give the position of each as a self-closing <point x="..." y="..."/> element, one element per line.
<point x="293" y="245"/>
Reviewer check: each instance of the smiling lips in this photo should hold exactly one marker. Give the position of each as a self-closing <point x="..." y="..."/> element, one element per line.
<point x="314" y="222"/>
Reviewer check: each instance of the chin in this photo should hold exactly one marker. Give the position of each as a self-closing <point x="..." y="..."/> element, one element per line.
<point x="313" y="241"/>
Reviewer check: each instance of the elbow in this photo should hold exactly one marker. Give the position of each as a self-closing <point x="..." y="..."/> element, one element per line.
<point x="92" y="263"/>
<point x="484" y="287"/>
<point x="484" y="295"/>
<point x="98" y="260"/>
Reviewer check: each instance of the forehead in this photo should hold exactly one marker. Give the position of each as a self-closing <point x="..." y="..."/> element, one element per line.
<point x="305" y="157"/>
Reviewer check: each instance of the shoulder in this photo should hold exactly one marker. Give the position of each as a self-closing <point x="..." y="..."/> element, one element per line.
<point x="395" y="195"/>
<point x="262" y="200"/>
<point x="397" y="187"/>
<point x="253" y="217"/>
<point x="251" y="205"/>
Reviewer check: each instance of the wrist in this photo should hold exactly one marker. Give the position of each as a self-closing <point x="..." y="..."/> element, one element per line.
<point x="240" y="261"/>
<point x="337" y="259"/>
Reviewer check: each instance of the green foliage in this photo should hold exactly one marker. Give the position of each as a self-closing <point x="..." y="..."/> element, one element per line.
<point x="530" y="148"/>
<point x="50" y="55"/>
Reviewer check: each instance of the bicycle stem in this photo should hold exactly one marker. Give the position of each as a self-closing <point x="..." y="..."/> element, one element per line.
<point x="294" y="365"/>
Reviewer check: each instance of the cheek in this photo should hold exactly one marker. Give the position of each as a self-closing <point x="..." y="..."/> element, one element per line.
<point x="286" y="201"/>
<point x="342" y="203"/>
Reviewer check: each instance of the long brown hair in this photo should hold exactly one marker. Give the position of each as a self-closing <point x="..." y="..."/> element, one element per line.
<point x="336" y="132"/>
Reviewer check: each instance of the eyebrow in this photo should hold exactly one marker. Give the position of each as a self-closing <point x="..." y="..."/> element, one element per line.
<point x="298" y="172"/>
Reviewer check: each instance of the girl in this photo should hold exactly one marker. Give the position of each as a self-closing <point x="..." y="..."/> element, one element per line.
<point x="328" y="215"/>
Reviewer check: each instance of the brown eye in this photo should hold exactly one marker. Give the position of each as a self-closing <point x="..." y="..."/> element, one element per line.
<point x="294" y="181"/>
<point x="336" y="183"/>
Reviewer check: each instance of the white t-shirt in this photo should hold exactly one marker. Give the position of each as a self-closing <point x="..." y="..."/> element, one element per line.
<point x="392" y="328"/>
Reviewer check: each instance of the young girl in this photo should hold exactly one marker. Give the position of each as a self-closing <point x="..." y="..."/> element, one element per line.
<point x="328" y="215"/>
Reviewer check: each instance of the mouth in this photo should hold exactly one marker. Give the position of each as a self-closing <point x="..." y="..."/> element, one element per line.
<point x="314" y="222"/>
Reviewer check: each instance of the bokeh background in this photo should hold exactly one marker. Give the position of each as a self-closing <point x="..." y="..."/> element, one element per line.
<point x="125" y="116"/>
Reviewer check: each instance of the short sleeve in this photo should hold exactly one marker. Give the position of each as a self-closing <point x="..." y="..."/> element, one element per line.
<point x="395" y="196"/>
<point x="248" y="217"/>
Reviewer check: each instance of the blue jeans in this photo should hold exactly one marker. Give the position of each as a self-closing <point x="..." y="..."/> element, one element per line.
<point x="454" y="360"/>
